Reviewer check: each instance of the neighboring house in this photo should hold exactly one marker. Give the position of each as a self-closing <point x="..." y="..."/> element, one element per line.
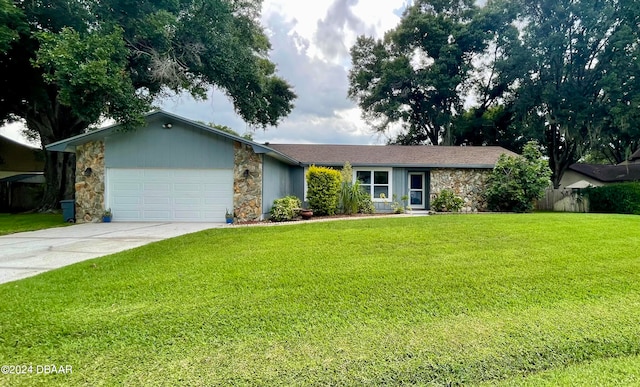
<point x="21" y="175"/>
<point x="595" y="175"/>
<point x="567" y="199"/>
<point x="174" y="169"/>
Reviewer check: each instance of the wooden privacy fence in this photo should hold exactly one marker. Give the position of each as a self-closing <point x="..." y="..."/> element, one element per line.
<point x="563" y="200"/>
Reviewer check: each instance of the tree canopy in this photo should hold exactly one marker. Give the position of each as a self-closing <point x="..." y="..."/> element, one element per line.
<point x="414" y="76"/>
<point x="76" y="62"/>
<point x="578" y="81"/>
<point x="563" y="72"/>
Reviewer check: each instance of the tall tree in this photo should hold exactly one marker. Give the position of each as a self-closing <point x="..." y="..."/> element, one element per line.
<point x="493" y="125"/>
<point x="82" y="61"/>
<point x="12" y="22"/>
<point x="578" y="61"/>
<point x="414" y="77"/>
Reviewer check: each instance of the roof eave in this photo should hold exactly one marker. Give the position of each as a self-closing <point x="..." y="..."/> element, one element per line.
<point x="400" y="165"/>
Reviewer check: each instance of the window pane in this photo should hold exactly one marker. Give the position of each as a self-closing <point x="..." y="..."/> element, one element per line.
<point x="380" y="177"/>
<point x="416" y="182"/>
<point x="416" y="197"/>
<point x="380" y="190"/>
<point x="366" y="188"/>
<point x="364" y="177"/>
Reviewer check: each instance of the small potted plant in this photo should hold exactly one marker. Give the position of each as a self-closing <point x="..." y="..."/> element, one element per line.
<point x="306" y="213"/>
<point x="106" y="216"/>
<point x="229" y="217"/>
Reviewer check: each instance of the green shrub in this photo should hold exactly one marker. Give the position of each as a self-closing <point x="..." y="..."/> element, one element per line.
<point x="621" y="198"/>
<point x="354" y="200"/>
<point x="284" y="209"/>
<point x="516" y="182"/>
<point x="323" y="190"/>
<point x="365" y="204"/>
<point x="348" y="198"/>
<point x="346" y="174"/>
<point x="396" y="206"/>
<point x="447" y="201"/>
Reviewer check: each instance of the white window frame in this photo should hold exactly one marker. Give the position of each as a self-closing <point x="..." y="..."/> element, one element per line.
<point x="372" y="186"/>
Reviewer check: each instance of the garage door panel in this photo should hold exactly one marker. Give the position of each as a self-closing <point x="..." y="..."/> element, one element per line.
<point x="157" y="174"/>
<point x="129" y="213"/>
<point x="159" y="216"/>
<point x="187" y="202"/>
<point x="131" y="202"/>
<point x="169" y="195"/>
<point x="157" y="188"/>
<point x="188" y="216"/>
<point x="150" y="200"/>
<point x="122" y="185"/>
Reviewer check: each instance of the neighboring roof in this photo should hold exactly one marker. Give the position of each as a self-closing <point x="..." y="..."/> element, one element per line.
<point x="26" y="177"/>
<point x="609" y="173"/>
<point x="16" y="157"/>
<point x="395" y="155"/>
<point x="69" y="144"/>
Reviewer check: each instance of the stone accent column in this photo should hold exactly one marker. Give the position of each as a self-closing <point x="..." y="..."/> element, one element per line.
<point x="247" y="183"/>
<point x="469" y="184"/>
<point x="90" y="186"/>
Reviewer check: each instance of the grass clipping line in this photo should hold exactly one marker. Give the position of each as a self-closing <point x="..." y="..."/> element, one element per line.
<point x="417" y="300"/>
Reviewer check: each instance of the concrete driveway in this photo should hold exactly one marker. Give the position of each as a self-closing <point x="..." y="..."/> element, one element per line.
<point x="26" y="254"/>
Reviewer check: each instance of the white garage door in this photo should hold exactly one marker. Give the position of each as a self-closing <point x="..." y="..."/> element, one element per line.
<point x="178" y="195"/>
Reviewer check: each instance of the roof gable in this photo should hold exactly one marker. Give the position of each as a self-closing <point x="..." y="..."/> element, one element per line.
<point x="69" y="144"/>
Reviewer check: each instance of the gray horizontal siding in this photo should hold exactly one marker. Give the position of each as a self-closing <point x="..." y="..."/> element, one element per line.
<point x="178" y="147"/>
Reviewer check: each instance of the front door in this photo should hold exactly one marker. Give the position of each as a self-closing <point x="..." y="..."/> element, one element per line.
<point x="416" y="190"/>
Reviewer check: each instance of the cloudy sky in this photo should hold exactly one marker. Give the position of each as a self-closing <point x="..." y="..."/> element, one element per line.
<point x="311" y="42"/>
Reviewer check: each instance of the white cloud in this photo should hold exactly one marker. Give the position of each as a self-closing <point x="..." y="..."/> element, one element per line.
<point x="14" y="131"/>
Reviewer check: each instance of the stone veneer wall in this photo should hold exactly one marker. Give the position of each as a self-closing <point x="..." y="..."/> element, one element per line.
<point x="90" y="189"/>
<point x="469" y="184"/>
<point x="247" y="191"/>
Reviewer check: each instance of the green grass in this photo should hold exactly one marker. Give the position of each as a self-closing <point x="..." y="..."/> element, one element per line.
<point x="12" y="223"/>
<point x="479" y="299"/>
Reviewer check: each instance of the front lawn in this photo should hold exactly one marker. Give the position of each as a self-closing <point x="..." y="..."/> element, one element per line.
<point x="473" y="299"/>
<point x="12" y="223"/>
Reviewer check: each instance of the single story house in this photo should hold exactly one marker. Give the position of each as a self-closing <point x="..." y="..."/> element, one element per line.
<point x="21" y="175"/>
<point x="174" y="169"/>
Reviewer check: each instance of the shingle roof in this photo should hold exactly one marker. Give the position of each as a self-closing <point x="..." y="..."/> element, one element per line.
<point x="394" y="155"/>
<point x="609" y="173"/>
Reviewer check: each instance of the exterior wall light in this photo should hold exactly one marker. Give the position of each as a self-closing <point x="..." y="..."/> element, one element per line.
<point x="167" y="125"/>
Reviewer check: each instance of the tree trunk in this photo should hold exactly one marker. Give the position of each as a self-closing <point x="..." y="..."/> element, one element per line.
<point x="562" y="153"/>
<point x="54" y="122"/>
<point x="59" y="173"/>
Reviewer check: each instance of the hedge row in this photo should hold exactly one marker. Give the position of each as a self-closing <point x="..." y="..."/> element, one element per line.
<point x="620" y="198"/>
